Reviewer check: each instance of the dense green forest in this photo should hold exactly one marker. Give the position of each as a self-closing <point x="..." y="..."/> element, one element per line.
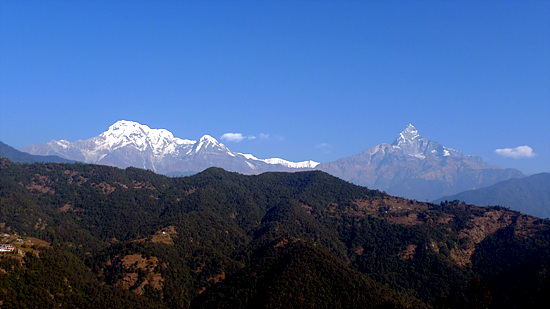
<point x="89" y="236"/>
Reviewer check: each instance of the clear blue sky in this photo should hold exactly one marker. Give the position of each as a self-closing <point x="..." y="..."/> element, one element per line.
<point x="323" y="79"/>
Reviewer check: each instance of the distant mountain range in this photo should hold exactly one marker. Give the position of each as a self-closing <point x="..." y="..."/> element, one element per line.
<point x="418" y="168"/>
<point x="412" y="166"/>
<point x="128" y="143"/>
<point x="15" y="155"/>
<point x="530" y="195"/>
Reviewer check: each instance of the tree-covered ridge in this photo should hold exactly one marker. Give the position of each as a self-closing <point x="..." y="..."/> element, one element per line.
<point x="286" y="273"/>
<point x="195" y="241"/>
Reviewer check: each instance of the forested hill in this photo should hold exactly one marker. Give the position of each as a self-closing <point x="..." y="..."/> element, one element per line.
<point x="91" y="236"/>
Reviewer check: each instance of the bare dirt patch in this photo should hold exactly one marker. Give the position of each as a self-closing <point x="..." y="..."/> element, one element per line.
<point x="65" y="207"/>
<point x="408" y="253"/>
<point x="139" y="262"/>
<point x="190" y="191"/>
<point x="478" y="228"/>
<point x="41" y="184"/>
<point x="40" y="224"/>
<point x="282" y="243"/>
<point x="394" y="209"/>
<point x="120" y="184"/>
<point x="128" y="281"/>
<point x="142" y="185"/>
<point x="307" y="208"/>
<point x="74" y="177"/>
<point x="217" y="278"/>
<point x="104" y="187"/>
<point x="526" y="227"/>
<point x="482" y="226"/>
<point x="156" y="281"/>
<point x="136" y="264"/>
<point x="164" y="236"/>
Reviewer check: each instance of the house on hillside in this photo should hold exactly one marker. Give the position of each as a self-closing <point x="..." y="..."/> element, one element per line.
<point x="6" y="248"/>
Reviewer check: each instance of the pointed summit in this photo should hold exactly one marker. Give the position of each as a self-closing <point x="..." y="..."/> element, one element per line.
<point x="208" y="139"/>
<point x="416" y="167"/>
<point x="125" y="129"/>
<point x="409" y="135"/>
<point x="210" y="145"/>
<point x="410" y="129"/>
<point x="125" y="124"/>
<point x="411" y="143"/>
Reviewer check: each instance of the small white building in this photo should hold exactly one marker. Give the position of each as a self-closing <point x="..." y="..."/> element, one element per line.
<point x="6" y="248"/>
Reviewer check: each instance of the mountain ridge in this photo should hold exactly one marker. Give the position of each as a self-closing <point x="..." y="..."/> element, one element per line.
<point x="128" y="143"/>
<point x="415" y="167"/>
<point x="412" y="166"/>
<point x="530" y="195"/>
<point x="15" y="155"/>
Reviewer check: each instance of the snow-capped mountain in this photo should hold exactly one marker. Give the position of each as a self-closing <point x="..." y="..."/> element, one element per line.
<point x="128" y="143"/>
<point x="303" y="164"/>
<point x="412" y="144"/>
<point x="415" y="167"/>
<point x="141" y="137"/>
<point x="412" y="166"/>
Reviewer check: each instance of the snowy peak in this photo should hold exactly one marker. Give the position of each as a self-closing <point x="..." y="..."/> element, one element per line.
<point x="209" y="144"/>
<point x="410" y="129"/>
<point x="123" y="129"/>
<point x="207" y="139"/>
<point x="128" y="143"/>
<point x="411" y="143"/>
<point x="407" y="136"/>
<point x="303" y="164"/>
<point x="123" y="133"/>
<point x="416" y="167"/>
<point x="278" y="161"/>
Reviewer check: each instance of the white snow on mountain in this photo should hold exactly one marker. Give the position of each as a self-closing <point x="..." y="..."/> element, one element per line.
<point x="205" y="141"/>
<point x="303" y="164"/>
<point x="128" y="143"/>
<point x="408" y="136"/>
<point x="63" y="143"/>
<point x="124" y="133"/>
<point x="411" y="143"/>
<point x="249" y="156"/>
